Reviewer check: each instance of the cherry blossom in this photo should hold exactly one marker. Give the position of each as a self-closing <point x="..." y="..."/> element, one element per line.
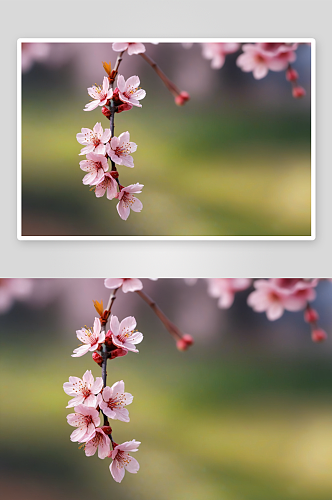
<point x="120" y="148"/>
<point x="225" y="288"/>
<point x="112" y="401"/>
<point x="122" y="460"/>
<point x="124" y="335"/>
<point x="131" y="48"/>
<point x="129" y="90"/>
<point x="127" y="284"/>
<point x="100" y="95"/>
<point x="218" y="51"/>
<point x="262" y="57"/>
<point x="86" y="419"/>
<point x="90" y="338"/>
<point x="127" y="201"/>
<point x="95" y="139"/>
<point x="84" y="390"/>
<point x="96" y="165"/>
<point x="99" y="441"/>
<point x="108" y="185"/>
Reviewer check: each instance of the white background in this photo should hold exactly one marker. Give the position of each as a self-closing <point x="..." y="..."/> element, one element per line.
<point x="81" y="19"/>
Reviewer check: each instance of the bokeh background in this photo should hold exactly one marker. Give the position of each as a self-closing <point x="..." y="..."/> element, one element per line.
<point x="234" y="161"/>
<point x="245" y="414"/>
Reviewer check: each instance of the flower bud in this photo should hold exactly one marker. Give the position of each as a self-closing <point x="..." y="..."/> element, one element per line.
<point x="185" y="342"/>
<point x="108" y="339"/>
<point x="310" y="315"/>
<point x="106" y="112"/>
<point x="292" y="75"/>
<point x="182" y="98"/>
<point x="298" y="92"/>
<point x="117" y="353"/>
<point x="107" y="429"/>
<point x="97" y="358"/>
<point x="318" y="335"/>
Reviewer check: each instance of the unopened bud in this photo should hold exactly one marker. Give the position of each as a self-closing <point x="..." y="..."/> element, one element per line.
<point x="106" y="112"/>
<point x="116" y="353"/>
<point x="123" y="107"/>
<point x="318" y="335"/>
<point x="97" y="358"/>
<point x="292" y="75"/>
<point x="107" y="429"/>
<point x="182" y="98"/>
<point x="310" y="315"/>
<point x="108" y="339"/>
<point x="298" y="92"/>
<point x="185" y="342"/>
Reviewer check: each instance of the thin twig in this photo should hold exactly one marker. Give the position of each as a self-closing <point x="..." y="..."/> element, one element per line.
<point x="169" y="84"/>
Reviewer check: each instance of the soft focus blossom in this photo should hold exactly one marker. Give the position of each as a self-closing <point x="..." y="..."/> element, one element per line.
<point x="132" y="48"/>
<point x="12" y="289"/>
<point x="217" y="52"/>
<point x="122" y="460"/>
<point x="95" y="139"/>
<point x="120" y="148"/>
<point x="127" y="201"/>
<point x="273" y="297"/>
<point x="113" y="400"/>
<point x="108" y="185"/>
<point x="129" y="90"/>
<point x="90" y="338"/>
<point x="86" y="419"/>
<point x="84" y="390"/>
<point x="225" y="288"/>
<point x="127" y="284"/>
<point x="262" y="57"/>
<point x="96" y="165"/>
<point x="185" y="342"/>
<point x="99" y="441"/>
<point x="100" y="95"/>
<point x="124" y="334"/>
<point x="34" y="52"/>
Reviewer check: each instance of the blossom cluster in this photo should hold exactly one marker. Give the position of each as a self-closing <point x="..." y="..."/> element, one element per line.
<point x="92" y="397"/>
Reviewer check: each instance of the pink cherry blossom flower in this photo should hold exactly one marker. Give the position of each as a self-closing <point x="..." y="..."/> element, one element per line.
<point x="108" y="185"/>
<point x="129" y="90"/>
<point x="99" y="441"/>
<point x="122" y="460"/>
<point x="112" y="401"/>
<point x="128" y="284"/>
<point x="218" y="51"/>
<point x="124" y="335"/>
<point x="84" y="391"/>
<point x="96" y="165"/>
<point x="127" y="201"/>
<point x="225" y="288"/>
<point x="95" y="139"/>
<point x="100" y="95"/>
<point x="90" y="338"/>
<point x="120" y="148"/>
<point x="86" y="419"/>
<point x="132" y="48"/>
<point x="260" y="58"/>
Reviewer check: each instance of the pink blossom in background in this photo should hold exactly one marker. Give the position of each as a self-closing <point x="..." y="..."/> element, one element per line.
<point x="272" y="298"/>
<point x="34" y="52"/>
<point x="12" y="289"/>
<point x="95" y="139"/>
<point x="225" y="288"/>
<point x="96" y="165"/>
<point x="128" y="284"/>
<point x="260" y="58"/>
<point x="86" y="419"/>
<point x="217" y="52"/>
<point x="129" y="90"/>
<point x="129" y="202"/>
<point x="113" y="400"/>
<point x="122" y="460"/>
<point x="131" y="48"/>
<point x="84" y="390"/>
<point x="99" y="441"/>
<point x="124" y="334"/>
<point x="120" y="148"/>
<point x="108" y="185"/>
<point x="90" y="338"/>
<point x="100" y="95"/>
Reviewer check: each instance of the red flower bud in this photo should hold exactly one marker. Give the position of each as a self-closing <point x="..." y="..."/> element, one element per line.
<point x="108" y="339"/>
<point x="292" y="75"/>
<point x="106" y="112"/>
<point x="107" y="429"/>
<point x="124" y="107"/>
<point x="185" y="342"/>
<point x="298" y="92"/>
<point x="97" y="358"/>
<point x="318" y="335"/>
<point x="182" y="98"/>
<point x="310" y="315"/>
<point x="117" y="353"/>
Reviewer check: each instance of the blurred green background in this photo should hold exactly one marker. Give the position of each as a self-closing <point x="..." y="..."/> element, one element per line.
<point x="245" y="414"/>
<point x="234" y="161"/>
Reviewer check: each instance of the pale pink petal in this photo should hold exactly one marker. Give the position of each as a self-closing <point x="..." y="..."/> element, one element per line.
<point x="123" y="210"/>
<point x="275" y="311"/>
<point x="137" y="205"/>
<point x="135" y="48"/>
<point x="75" y="401"/>
<point x="119" y="46"/>
<point x="97" y="386"/>
<point x="132" y="466"/>
<point x="121" y="83"/>
<point x="91" y="400"/>
<point x="88" y="378"/>
<point x="115" y="325"/>
<point x="80" y="351"/>
<point x="117" y="471"/>
<point x="91" y="105"/>
<point x="113" y="282"/>
<point x="131" y="285"/>
<point x="128" y="323"/>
